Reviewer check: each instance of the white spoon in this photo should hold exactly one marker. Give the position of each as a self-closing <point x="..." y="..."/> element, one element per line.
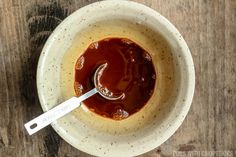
<point x="62" y="109"/>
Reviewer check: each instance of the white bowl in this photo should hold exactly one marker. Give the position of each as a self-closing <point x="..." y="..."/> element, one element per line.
<point x="166" y="109"/>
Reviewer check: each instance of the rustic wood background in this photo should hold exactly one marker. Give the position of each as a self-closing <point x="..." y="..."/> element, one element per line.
<point x="208" y="26"/>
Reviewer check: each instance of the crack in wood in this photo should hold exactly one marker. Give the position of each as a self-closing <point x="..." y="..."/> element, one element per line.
<point x="51" y="143"/>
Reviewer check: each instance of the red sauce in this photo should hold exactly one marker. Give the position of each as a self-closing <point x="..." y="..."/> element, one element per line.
<point x="129" y="70"/>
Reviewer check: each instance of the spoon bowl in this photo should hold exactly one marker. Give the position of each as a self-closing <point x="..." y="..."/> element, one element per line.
<point x="103" y="91"/>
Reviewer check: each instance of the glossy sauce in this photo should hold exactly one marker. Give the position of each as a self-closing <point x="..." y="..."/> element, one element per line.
<point x="129" y="71"/>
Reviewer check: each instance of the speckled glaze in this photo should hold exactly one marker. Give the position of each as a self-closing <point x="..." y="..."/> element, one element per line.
<point x="166" y="109"/>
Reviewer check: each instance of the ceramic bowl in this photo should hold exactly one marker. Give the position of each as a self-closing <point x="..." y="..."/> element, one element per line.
<point x="166" y="109"/>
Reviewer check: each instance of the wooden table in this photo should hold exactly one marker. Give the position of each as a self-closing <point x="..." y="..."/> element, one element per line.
<point x="209" y="28"/>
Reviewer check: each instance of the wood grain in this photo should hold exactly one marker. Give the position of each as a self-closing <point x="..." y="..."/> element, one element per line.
<point x="209" y="28"/>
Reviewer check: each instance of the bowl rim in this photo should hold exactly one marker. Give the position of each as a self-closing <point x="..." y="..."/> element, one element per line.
<point x="189" y="70"/>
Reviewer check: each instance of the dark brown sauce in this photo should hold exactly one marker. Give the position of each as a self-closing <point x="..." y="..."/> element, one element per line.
<point x="129" y="70"/>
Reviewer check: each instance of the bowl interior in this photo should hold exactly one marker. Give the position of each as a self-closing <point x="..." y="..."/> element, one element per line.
<point x="165" y="110"/>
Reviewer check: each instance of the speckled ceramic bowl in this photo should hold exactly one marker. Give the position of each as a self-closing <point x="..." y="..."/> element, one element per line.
<point x="166" y="109"/>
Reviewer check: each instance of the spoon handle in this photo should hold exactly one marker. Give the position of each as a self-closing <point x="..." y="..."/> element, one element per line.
<point x="57" y="112"/>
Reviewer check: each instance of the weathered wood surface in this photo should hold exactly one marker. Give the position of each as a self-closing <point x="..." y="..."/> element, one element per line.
<point x="209" y="27"/>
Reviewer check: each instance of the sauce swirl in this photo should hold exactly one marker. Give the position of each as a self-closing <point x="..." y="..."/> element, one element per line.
<point x="129" y="71"/>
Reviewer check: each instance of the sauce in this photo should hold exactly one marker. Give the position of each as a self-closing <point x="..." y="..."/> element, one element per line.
<point x="129" y="71"/>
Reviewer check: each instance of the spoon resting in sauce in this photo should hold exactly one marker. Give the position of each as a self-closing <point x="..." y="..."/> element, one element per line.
<point x="64" y="108"/>
<point x="128" y="72"/>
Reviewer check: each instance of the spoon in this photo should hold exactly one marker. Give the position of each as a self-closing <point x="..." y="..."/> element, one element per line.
<point x="62" y="109"/>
